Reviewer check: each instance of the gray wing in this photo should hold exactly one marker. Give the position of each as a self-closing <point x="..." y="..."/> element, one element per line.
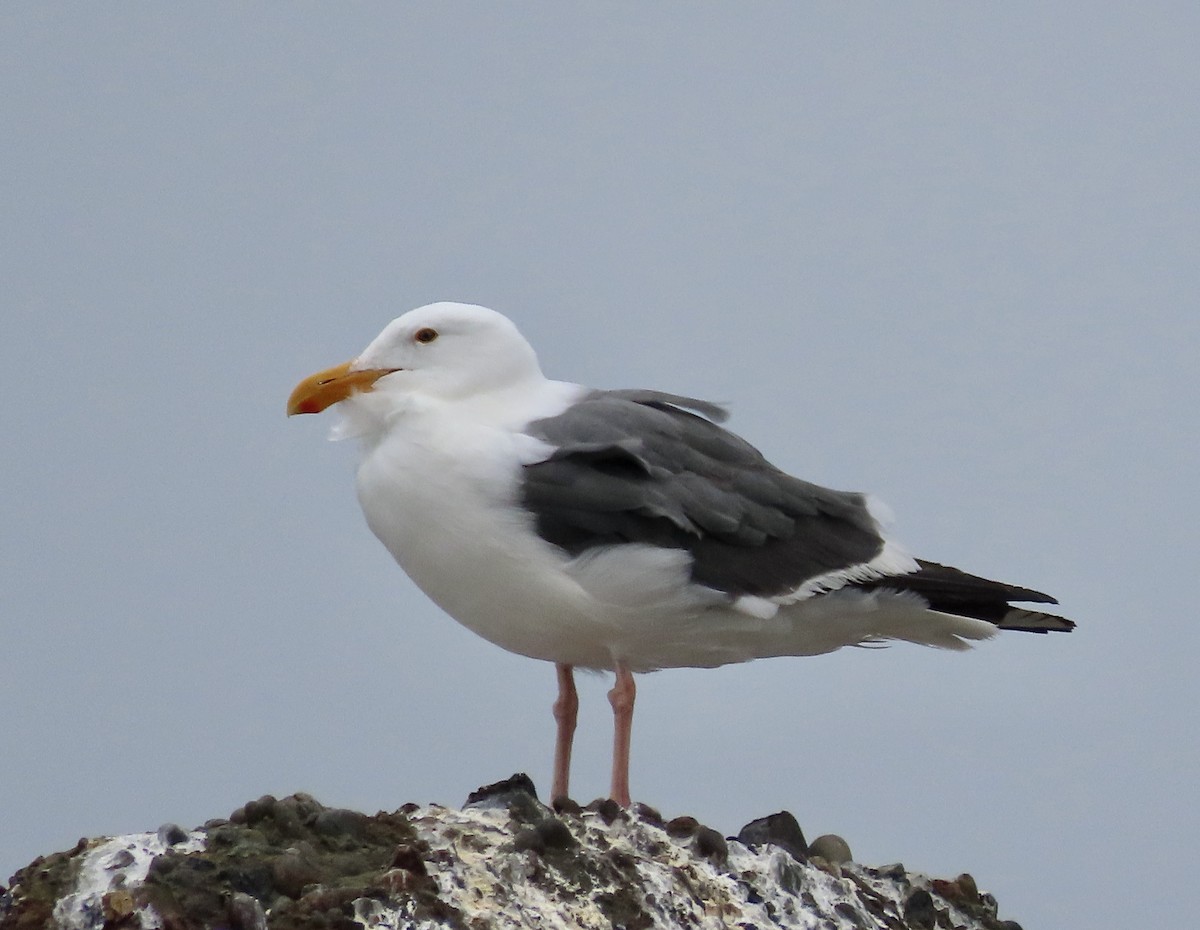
<point x="636" y="467"/>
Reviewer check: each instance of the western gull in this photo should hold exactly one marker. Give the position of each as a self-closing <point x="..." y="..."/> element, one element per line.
<point x="619" y="530"/>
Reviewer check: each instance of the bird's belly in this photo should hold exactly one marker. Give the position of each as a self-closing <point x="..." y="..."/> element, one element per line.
<point x="457" y="533"/>
<point x="449" y="513"/>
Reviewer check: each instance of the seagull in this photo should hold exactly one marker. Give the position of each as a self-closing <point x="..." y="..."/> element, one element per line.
<point x="619" y="530"/>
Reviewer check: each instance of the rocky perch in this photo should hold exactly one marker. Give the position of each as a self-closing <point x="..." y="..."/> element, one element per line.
<point x="504" y="860"/>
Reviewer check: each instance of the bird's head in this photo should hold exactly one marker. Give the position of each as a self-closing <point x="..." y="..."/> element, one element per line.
<point x="446" y="351"/>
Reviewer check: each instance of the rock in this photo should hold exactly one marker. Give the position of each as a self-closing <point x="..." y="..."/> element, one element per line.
<point x="294" y="871"/>
<point x="520" y="783"/>
<point x="555" y="834"/>
<point x="258" y="810"/>
<point x="123" y="859"/>
<point x="337" y="821"/>
<point x="648" y="814"/>
<point x="516" y="794"/>
<point x="245" y="912"/>
<point x="529" y="840"/>
<point x="409" y="857"/>
<point x="831" y="848"/>
<point x="566" y="806"/>
<point x="608" y="809"/>
<point x="919" y="909"/>
<point x="504" y="860"/>
<point x="706" y="841"/>
<point x="116" y="906"/>
<point x="780" y="830"/>
<point x="171" y="834"/>
<point x="711" y="845"/>
<point x="682" y="827"/>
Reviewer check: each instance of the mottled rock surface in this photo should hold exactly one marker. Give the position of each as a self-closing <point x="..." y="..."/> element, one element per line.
<point x="503" y="861"/>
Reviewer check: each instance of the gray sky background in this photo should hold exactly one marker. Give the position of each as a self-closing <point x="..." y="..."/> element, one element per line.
<point x="947" y="253"/>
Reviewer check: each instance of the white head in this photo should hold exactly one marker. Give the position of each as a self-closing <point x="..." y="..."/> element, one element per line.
<point x="450" y="351"/>
<point x="446" y="351"/>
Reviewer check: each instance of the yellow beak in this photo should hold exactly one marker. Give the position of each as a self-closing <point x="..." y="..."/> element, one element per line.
<point x="325" y="388"/>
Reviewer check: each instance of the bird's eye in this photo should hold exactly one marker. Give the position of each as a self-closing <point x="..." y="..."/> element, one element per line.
<point x="426" y="335"/>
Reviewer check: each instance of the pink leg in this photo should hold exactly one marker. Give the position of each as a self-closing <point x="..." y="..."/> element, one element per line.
<point x="566" y="709"/>
<point x="621" y="697"/>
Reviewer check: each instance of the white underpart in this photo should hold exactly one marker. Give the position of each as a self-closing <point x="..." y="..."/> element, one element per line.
<point x="753" y="606"/>
<point x="439" y="484"/>
<point x="120" y="862"/>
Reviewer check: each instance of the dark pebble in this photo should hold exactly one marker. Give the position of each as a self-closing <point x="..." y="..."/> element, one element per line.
<point x="566" y="806"/>
<point x="116" y="906"/>
<point x="608" y="809"/>
<point x="682" y="827"/>
<point x="215" y="822"/>
<point x="919" y="910"/>
<point x="648" y="814"/>
<point x="966" y="883"/>
<point x="333" y="901"/>
<point x="948" y="890"/>
<point x="528" y="839"/>
<point x="831" y="848"/>
<point x="300" y="805"/>
<point x="261" y="809"/>
<point x="171" y="834"/>
<point x="711" y="845"/>
<point x="288" y="819"/>
<point x="556" y="835"/>
<point x="399" y="882"/>
<point x="791" y="879"/>
<point x="181" y="871"/>
<point x="780" y="830"/>
<point x="253" y="876"/>
<point x="515" y="794"/>
<point x="621" y="861"/>
<point x="1010" y="925"/>
<point x="120" y="860"/>
<point x="520" y="783"/>
<point x="292" y="872"/>
<point x="162" y="865"/>
<point x="224" y="836"/>
<point x="245" y="912"/>
<point x="409" y="858"/>
<point x="338" y="821"/>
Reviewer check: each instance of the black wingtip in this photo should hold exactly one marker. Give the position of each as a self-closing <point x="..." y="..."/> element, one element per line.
<point x="953" y="591"/>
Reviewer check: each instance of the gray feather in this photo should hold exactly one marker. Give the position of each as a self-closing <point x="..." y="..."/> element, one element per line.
<point x="636" y="467"/>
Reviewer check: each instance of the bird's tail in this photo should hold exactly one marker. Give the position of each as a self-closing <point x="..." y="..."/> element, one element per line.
<point x="951" y="591"/>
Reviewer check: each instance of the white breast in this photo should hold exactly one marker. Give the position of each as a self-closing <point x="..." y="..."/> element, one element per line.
<point x="440" y="491"/>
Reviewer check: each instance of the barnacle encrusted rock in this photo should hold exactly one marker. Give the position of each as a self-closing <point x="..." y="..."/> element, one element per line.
<point x="504" y="860"/>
